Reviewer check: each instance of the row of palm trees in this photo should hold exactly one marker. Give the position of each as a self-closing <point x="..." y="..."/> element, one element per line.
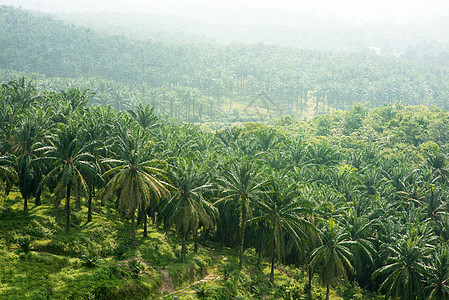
<point x="193" y="80"/>
<point x="377" y="220"/>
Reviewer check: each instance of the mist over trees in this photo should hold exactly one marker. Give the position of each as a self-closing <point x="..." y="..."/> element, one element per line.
<point x="201" y="82"/>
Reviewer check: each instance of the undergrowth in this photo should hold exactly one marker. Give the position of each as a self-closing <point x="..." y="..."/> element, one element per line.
<point x="96" y="260"/>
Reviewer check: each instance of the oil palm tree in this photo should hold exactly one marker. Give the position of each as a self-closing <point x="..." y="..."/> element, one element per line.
<point x="7" y="173"/>
<point x="241" y="186"/>
<point x="281" y="208"/>
<point x="323" y="154"/>
<point x="333" y="258"/>
<point x="69" y="163"/>
<point x="29" y="173"/>
<point x="145" y="116"/>
<point x="405" y="269"/>
<point x="137" y="179"/>
<point x="438" y="275"/>
<point x="437" y="160"/>
<point x="187" y="209"/>
<point x="362" y="233"/>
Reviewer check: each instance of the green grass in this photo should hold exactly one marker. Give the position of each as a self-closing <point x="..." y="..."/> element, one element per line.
<point x="53" y="268"/>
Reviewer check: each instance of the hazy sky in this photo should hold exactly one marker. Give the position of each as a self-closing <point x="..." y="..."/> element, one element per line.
<point x="251" y="11"/>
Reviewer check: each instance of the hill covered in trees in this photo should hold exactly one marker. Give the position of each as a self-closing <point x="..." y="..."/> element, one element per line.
<point x="134" y="167"/>
<point x="206" y="82"/>
<point x="305" y="31"/>
<point x="357" y="197"/>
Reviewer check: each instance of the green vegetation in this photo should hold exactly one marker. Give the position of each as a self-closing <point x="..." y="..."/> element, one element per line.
<point x="423" y="38"/>
<point x="165" y="198"/>
<point x="206" y="82"/>
<point x="355" y="200"/>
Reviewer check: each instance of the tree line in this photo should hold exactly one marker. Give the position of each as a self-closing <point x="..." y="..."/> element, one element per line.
<point x="198" y="81"/>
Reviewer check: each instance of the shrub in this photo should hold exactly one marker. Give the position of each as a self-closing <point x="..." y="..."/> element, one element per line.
<point x="172" y="297"/>
<point x="39" y="295"/>
<point x="90" y="259"/>
<point x="201" y="290"/>
<point x="24" y="244"/>
<point x="226" y="268"/>
<point x="134" y="267"/>
<point x="39" y="231"/>
<point x="157" y="253"/>
<point x="120" y="251"/>
<point x="7" y="212"/>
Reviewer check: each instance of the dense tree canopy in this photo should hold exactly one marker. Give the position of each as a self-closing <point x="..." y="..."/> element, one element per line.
<point x="358" y="195"/>
<point x="367" y="205"/>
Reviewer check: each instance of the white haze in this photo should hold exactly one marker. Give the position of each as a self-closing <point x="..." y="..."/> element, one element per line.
<point x="254" y="11"/>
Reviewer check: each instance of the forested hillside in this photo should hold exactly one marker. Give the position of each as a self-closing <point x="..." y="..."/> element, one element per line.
<point x="357" y="196"/>
<point x="198" y="82"/>
<point x="134" y="167"/>
<point x="305" y="31"/>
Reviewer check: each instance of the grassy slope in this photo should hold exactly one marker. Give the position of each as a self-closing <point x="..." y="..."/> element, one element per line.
<point x="54" y="270"/>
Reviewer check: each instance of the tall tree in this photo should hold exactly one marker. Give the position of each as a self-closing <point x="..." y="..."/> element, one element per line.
<point x="68" y="162"/>
<point x="134" y="176"/>
<point x="241" y="185"/>
<point x="26" y="139"/>
<point x="333" y="258"/>
<point x="7" y="173"/>
<point x="286" y="215"/>
<point x="187" y="209"/>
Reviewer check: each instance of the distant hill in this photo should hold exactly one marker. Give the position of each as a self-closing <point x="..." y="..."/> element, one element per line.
<point x="309" y="31"/>
<point x="198" y="81"/>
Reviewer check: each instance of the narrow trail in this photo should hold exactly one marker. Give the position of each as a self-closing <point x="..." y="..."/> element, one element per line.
<point x="168" y="286"/>
<point x="167" y="283"/>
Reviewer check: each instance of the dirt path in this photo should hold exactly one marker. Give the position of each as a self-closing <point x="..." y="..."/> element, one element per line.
<point x="168" y="286"/>
<point x="167" y="283"/>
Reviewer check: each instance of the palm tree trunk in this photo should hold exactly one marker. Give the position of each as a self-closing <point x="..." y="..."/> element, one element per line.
<point x="145" y="231"/>
<point x="272" y="259"/>
<point x="242" y="238"/>
<point x="195" y="238"/>
<point x="327" y="291"/>
<point x="78" y="200"/>
<point x="25" y="205"/>
<point x="133" y="231"/>
<point x="37" y="199"/>
<point x="8" y="188"/>
<point x="309" y="290"/>
<point x="67" y="209"/>
<point x="89" y="208"/>
<point x="183" y="248"/>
